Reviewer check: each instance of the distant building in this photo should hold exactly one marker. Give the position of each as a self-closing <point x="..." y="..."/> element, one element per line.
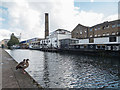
<point x="3" y="43"/>
<point x="35" y="42"/>
<point x="30" y="43"/>
<point x="105" y="29"/>
<point x="23" y="44"/>
<point x="80" y="32"/>
<point x="104" y="36"/>
<point x="53" y="39"/>
<point x="44" y="43"/>
<point x="65" y="43"/>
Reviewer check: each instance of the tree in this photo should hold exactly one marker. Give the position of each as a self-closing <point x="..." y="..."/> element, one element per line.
<point x="13" y="41"/>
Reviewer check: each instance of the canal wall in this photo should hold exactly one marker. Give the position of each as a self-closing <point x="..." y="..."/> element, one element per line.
<point x="12" y="78"/>
<point x="83" y="51"/>
<point x="93" y="53"/>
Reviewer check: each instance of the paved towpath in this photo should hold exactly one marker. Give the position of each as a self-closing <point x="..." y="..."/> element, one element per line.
<point x="12" y="78"/>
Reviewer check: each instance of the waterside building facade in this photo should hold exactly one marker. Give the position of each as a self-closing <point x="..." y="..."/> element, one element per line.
<point x="100" y="37"/>
<point x="99" y="30"/>
<point x="104" y="36"/>
<point x="53" y="40"/>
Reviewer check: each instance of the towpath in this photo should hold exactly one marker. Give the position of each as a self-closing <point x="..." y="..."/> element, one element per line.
<point x="12" y="78"/>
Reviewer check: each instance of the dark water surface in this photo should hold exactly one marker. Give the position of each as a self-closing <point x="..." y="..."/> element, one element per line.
<point x="61" y="70"/>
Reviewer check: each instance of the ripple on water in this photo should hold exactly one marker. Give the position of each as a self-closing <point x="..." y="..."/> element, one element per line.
<point x="58" y="70"/>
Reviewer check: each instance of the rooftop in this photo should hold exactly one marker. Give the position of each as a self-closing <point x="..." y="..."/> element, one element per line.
<point x="107" y="23"/>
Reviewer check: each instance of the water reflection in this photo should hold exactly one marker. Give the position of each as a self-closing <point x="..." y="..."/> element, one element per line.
<point x="61" y="70"/>
<point x="46" y="71"/>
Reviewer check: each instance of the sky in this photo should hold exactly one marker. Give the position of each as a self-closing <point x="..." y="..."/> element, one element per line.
<point x="27" y="16"/>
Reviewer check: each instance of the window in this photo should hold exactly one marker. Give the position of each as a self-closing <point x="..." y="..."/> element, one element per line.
<point x="98" y="47"/>
<point x="103" y="27"/>
<point x="91" y="40"/>
<point x="95" y="29"/>
<point x="77" y="46"/>
<point x="81" y="46"/>
<point x="77" y="33"/>
<point x="99" y="35"/>
<point x="107" y="26"/>
<point x="103" y="47"/>
<point x="112" y="39"/>
<point x="90" y="35"/>
<point x="77" y="41"/>
<point x="118" y="25"/>
<point x="99" y="28"/>
<point x="103" y="34"/>
<point x="80" y="32"/>
<point x="113" y="33"/>
<point x="113" y="26"/>
<point x="117" y="33"/>
<point x="95" y="35"/>
<point x="107" y="34"/>
<point x="91" y="29"/>
<point x="46" y="41"/>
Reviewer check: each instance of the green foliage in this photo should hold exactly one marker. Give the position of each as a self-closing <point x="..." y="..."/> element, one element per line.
<point x="13" y="40"/>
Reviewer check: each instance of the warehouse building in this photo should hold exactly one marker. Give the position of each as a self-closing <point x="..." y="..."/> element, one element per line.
<point x="100" y="30"/>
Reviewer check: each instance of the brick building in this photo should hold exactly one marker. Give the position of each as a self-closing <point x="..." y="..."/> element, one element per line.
<point x="111" y="28"/>
<point x="80" y="32"/>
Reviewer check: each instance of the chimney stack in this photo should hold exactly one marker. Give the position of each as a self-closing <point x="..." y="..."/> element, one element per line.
<point x="46" y="25"/>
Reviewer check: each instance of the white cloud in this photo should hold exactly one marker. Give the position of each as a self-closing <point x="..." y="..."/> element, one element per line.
<point x="92" y="0"/>
<point x="24" y="19"/>
<point x="88" y="18"/>
<point x="4" y="34"/>
<point x="28" y="17"/>
<point x="2" y="19"/>
<point x="112" y="17"/>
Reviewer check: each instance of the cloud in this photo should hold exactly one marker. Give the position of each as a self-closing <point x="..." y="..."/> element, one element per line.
<point x="4" y="34"/>
<point x="28" y="17"/>
<point x="2" y="19"/>
<point x="112" y="17"/>
<point x="25" y="19"/>
<point x="88" y="18"/>
<point x="92" y="0"/>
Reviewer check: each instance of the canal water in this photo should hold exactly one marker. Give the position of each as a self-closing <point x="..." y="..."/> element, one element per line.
<point x="62" y="70"/>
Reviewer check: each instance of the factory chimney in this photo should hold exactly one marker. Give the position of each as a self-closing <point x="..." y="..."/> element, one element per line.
<point x="46" y="25"/>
